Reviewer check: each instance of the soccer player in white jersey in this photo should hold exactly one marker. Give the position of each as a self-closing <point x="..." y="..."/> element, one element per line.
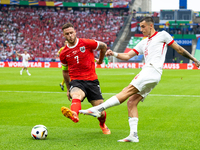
<point x="154" y="48"/>
<point x="25" y="59"/>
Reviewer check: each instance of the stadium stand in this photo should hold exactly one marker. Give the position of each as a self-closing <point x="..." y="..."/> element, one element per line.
<point x="134" y="41"/>
<point x="87" y="1"/>
<point x="38" y="30"/>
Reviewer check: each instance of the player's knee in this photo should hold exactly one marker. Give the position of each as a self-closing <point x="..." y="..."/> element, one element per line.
<point x="134" y="100"/>
<point x="77" y="95"/>
<point x="130" y="90"/>
<point x="131" y="102"/>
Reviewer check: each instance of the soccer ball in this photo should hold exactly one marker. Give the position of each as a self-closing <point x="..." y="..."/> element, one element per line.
<point x="39" y="132"/>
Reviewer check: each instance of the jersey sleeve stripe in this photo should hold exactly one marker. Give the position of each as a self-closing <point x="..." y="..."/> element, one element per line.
<point x="163" y="48"/>
<point x="136" y="51"/>
<point x="97" y="44"/>
<point x="170" y="43"/>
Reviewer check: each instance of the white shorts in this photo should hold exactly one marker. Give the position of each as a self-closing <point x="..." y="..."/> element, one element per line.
<point x="25" y="64"/>
<point x="146" y="80"/>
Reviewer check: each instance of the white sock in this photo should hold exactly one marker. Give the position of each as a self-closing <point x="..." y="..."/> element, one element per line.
<point x="27" y="71"/>
<point x="22" y="70"/>
<point x="133" y="123"/>
<point x="113" y="101"/>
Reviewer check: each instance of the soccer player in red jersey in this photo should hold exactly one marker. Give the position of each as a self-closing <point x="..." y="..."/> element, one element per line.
<point x="80" y="78"/>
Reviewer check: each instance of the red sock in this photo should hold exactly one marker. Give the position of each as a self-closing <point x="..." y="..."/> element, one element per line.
<point x="76" y="105"/>
<point x="102" y="120"/>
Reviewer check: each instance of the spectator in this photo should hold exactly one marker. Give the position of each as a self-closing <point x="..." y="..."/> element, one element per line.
<point x="37" y="31"/>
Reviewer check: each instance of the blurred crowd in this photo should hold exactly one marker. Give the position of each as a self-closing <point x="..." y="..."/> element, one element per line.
<point x="39" y="30"/>
<point x="87" y="1"/>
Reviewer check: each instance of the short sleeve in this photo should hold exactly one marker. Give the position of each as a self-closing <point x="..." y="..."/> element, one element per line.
<point x="168" y="38"/>
<point x="62" y="59"/>
<point x="139" y="48"/>
<point x="93" y="44"/>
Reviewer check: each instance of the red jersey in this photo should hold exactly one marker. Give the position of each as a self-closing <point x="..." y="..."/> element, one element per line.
<point x="80" y="59"/>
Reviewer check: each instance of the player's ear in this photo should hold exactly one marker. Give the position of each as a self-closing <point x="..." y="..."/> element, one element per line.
<point x="151" y="25"/>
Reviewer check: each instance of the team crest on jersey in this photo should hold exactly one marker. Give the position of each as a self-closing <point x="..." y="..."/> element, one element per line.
<point x="82" y="49"/>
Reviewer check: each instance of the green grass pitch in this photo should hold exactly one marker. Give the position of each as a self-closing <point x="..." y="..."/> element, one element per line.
<point x="169" y="118"/>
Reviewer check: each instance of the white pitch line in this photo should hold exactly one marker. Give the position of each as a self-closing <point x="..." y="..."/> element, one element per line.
<point x="174" y="95"/>
<point x="29" y="92"/>
<point x="117" y="74"/>
<point x="161" y="95"/>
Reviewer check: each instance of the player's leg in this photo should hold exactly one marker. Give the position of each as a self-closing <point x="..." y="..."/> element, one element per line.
<point x="27" y="71"/>
<point x="102" y="118"/>
<point x="62" y="84"/>
<point x="21" y="71"/>
<point x="77" y="96"/>
<point x="94" y="96"/>
<point x="25" y="64"/>
<point x="146" y="76"/>
<point x="113" y="101"/>
<point x="64" y="68"/>
<point x="145" y="84"/>
<point x="133" y="118"/>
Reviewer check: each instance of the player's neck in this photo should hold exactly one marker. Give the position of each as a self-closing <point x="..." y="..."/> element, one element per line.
<point x="152" y="33"/>
<point x="72" y="44"/>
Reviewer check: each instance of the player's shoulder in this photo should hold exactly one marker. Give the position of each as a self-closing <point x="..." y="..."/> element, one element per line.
<point x="163" y="32"/>
<point x="83" y="40"/>
<point x="144" y="40"/>
<point x="61" y="48"/>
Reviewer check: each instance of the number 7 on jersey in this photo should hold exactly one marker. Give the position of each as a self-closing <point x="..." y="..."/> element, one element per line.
<point x="76" y="57"/>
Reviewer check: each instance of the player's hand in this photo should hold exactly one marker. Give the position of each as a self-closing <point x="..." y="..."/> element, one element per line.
<point x="197" y="63"/>
<point x="109" y="53"/>
<point x="68" y="96"/>
<point x="97" y="61"/>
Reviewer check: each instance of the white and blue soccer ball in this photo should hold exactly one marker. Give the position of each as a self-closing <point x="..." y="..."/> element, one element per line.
<point x="39" y="132"/>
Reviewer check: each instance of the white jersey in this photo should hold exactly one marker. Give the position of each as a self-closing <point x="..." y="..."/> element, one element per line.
<point x="154" y="49"/>
<point x="25" y="58"/>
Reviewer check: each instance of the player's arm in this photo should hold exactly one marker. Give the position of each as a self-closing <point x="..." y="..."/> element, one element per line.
<point x="58" y="53"/>
<point x="66" y="78"/>
<point x="102" y="47"/>
<point x="122" y="56"/>
<point x="184" y="53"/>
<point x="18" y="53"/>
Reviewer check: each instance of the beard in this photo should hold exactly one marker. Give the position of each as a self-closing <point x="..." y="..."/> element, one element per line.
<point x="71" y="41"/>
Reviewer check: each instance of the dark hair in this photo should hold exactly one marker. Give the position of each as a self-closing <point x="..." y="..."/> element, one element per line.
<point x="67" y="25"/>
<point x="147" y="19"/>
